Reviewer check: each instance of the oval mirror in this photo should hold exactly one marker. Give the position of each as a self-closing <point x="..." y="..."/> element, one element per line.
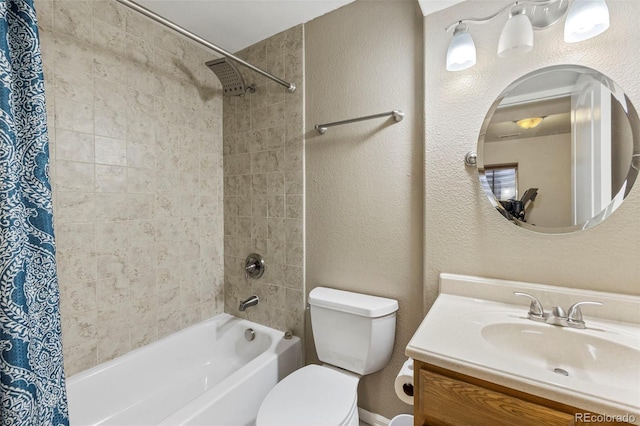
<point x="559" y="149"/>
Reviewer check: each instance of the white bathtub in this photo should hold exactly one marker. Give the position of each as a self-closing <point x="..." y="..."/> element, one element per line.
<point x="207" y="374"/>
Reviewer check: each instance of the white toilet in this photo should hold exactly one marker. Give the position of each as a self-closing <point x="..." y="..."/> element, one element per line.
<point x="354" y="335"/>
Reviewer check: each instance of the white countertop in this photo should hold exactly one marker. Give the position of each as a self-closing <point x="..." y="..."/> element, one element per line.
<point x="459" y="334"/>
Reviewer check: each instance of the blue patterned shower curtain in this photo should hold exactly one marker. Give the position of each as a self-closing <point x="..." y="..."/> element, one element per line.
<point x="32" y="384"/>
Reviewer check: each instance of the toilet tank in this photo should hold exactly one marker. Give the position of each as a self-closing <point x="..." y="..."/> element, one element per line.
<point x="353" y="331"/>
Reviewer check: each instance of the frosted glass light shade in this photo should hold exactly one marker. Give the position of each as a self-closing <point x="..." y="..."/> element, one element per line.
<point x="586" y="19"/>
<point x="462" y="50"/>
<point x="516" y="37"/>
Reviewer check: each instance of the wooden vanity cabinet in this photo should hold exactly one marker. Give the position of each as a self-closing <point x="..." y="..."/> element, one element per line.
<point x="446" y="398"/>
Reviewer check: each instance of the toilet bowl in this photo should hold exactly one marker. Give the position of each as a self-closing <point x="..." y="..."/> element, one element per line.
<point x="354" y="335"/>
<point x="312" y="396"/>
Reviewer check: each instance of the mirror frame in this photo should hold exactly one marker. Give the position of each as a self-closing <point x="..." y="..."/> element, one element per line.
<point x="634" y="122"/>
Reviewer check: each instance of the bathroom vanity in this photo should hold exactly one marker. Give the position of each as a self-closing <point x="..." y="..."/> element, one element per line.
<point x="445" y="397"/>
<point x="482" y="357"/>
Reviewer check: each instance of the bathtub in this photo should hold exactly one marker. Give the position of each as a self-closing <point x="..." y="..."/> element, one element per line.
<point x="207" y="374"/>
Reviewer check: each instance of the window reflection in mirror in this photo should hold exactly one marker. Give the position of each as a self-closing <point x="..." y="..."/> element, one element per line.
<point x="573" y="134"/>
<point x="503" y="181"/>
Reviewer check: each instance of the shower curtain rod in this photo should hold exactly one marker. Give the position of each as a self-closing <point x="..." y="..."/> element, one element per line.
<point x="159" y="19"/>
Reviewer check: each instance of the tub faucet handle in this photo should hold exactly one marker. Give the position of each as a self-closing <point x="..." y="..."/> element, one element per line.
<point x="254" y="266"/>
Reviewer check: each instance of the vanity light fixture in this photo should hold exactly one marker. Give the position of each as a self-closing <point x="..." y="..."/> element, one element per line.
<point x="529" y="123"/>
<point x="585" y="19"/>
<point x="462" y="50"/>
<point x="516" y="37"/>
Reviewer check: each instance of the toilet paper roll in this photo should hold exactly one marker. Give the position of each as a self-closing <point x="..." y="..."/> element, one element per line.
<point x="404" y="382"/>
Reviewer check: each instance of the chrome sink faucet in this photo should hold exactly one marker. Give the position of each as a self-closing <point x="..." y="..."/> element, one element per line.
<point x="558" y="316"/>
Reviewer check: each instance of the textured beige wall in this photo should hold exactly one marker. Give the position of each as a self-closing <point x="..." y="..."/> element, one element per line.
<point x="135" y="122"/>
<point x="263" y="185"/>
<point x="463" y="234"/>
<point x="364" y="181"/>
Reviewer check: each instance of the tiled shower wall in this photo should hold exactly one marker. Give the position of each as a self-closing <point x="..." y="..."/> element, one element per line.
<point x="135" y="122"/>
<point x="264" y="185"/>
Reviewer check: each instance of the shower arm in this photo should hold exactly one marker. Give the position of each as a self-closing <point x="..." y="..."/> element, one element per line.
<point x="159" y="19"/>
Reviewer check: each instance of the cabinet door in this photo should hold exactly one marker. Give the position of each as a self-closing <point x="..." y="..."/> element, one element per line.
<point x="445" y="401"/>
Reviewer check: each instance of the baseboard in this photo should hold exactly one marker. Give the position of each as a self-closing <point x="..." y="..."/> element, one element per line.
<point x="372" y="418"/>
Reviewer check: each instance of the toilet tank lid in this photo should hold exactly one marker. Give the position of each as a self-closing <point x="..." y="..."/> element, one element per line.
<point x="353" y="303"/>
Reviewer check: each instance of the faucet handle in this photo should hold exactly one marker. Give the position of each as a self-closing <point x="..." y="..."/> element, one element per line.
<point x="574" y="316"/>
<point x="254" y="266"/>
<point x="536" y="311"/>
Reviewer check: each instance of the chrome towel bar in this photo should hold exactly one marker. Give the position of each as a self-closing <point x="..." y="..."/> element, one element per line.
<point x="397" y="115"/>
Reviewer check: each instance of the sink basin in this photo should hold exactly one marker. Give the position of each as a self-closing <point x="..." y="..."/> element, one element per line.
<point x="567" y="352"/>
<point x="477" y="327"/>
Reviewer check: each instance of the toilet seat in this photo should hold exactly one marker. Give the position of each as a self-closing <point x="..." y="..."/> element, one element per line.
<point x="314" y="396"/>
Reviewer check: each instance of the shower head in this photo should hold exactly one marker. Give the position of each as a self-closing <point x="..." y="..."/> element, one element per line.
<point x="230" y="77"/>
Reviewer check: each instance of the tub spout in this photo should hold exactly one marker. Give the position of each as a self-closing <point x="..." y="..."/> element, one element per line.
<point x="251" y="301"/>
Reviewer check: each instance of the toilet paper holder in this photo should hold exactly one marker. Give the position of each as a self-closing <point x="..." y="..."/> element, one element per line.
<point x="403" y="383"/>
<point x="407" y="389"/>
